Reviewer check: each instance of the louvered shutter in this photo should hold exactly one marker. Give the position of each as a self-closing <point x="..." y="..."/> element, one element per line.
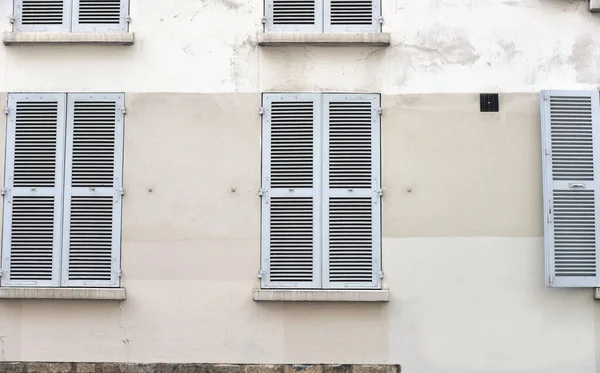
<point x="570" y="130"/>
<point x="352" y="16"/>
<point x="290" y="190"/>
<point x="93" y="185"/>
<point x="351" y="191"/>
<point x="42" y="15"/>
<point x="33" y="187"/>
<point x="100" y="15"/>
<point x="294" y="15"/>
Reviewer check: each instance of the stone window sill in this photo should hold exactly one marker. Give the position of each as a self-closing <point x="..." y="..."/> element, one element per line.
<point x="63" y="293"/>
<point x="278" y="39"/>
<point x="284" y="295"/>
<point x="117" y="38"/>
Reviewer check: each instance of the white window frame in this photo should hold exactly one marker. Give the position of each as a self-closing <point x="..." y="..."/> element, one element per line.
<point x="320" y="264"/>
<point x="62" y="200"/>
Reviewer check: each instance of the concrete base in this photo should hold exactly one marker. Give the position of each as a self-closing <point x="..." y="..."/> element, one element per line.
<point x="279" y="39"/>
<point x="35" y="367"/>
<point x="63" y="293"/>
<point x="123" y="38"/>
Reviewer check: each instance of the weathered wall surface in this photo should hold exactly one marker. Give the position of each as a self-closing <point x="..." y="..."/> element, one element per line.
<point x="462" y="251"/>
<point x="438" y="46"/>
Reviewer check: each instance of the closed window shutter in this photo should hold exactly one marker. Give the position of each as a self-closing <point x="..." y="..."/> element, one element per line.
<point x="93" y="182"/>
<point x="100" y="15"/>
<point x="33" y="187"/>
<point x="351" y="191"/>
<point x="570" y="129"/>
<point x="290" y="189"/>
<point x="42" y="15"/>
<point x="294" y="15"/>
<point x="352" y="16"/>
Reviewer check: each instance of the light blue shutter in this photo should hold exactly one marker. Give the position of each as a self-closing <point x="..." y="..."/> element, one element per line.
<point x="93" y="186"/>
<point x="42" y="15"/>
<point x="33" y="190"/>
<point x="570" y="130"/>
<point x="290" y="190"/>
<point x="100" y="15"/>
<point x="351" y="191"/>
<point x="352" y="16"/>
<point x="294" y="15"/>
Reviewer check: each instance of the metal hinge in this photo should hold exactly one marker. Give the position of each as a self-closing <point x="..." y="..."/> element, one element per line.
<point x="261" y="274"/>
<point x="6" y="110"/>
<point x="12" y="19"/>
<point x="380" y="274"/>
<point x="379" y="111"/>
<point x="379" y="192"/>
<point x="128" y="19"/>
<point x="263" y="20"/>
<point x="380" y="20"/>
<point x="261" y="111"/>
<point x="124" y="111"/>
<point x="550" y="220"/>
<point x="119" y="273"/>
<point x="550" y="280"/>
<point x="121" y="191"/>
<point x="4" y="191"/>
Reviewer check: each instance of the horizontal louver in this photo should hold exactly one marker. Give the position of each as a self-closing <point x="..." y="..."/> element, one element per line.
<point x="293" y="12"/>
<point x="574" y="233"/>
<point x="292" y="144"/>
<point x="350" y="146"/>
<point x="42" y="12"/>
<point x="35" y="144"/>
<point x="99" y="12"/>
<point x="351" y="12"/>
<point x="291" y="239"/>
<point x="571" y="138"/>
<point x="90" y="238"/>
<point x="31" y="238"/>
<point x="350" y="239"/>
<point x="93" y="162"/>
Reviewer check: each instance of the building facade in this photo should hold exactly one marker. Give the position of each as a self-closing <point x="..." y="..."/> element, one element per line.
<point x="168" y="125"/>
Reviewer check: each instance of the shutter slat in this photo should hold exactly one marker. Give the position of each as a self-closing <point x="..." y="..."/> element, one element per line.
<point x="290" y="245"/>
<point x="100" y="16"/>
<point x="352" y="206"/>
<point x="570" y="130"/>
<point x="296" y="15"/>
<point x="42" y="15"/>
<point x="91" y="240"/>
<point x="33" y="182"/>
<point x="352" y="15"/>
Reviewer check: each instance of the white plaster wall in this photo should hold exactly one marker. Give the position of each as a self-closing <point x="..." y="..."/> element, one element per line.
<point x="438" y="46"/>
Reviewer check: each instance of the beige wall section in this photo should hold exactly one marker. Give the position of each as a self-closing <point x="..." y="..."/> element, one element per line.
<point x="191" y="251"/>
<point x="437" y="46"/>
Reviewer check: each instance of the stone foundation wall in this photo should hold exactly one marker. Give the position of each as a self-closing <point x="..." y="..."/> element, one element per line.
<point x="39" y="367"/>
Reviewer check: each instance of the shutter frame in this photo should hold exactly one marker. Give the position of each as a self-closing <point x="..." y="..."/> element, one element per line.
<point x="562" y="186"/>
<point x="359" y="194"/>
<point x="331" y="26"/>
<point x="269" y="192"/>
<point x="271" y="24"/>
<point x="19" y="25"/>
<point x="104" y="194"/>
<point x="33" y="192"/>
<point x="121" y="26"/>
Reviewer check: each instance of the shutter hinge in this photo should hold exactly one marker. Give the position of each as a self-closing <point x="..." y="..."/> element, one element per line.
<point x="379" y="192"/>
<point x="261" y="273"/>
<point x="6" y="110"/>
<point x="12" y="19"/>
<point x="380" y="274"/>
<point x="4" y="191"/>
<point x="261" y="111"/>
<point x="380" y="20"/>
<point x="379" y="111"/>
<point x="128" y="19"/>
<point x="263" y="20"/>
<point x="119" y="273"/>
<point x="547" y="152"/>
<point x="550" y="220"/>
<point x="121" y="191"/>
<point x="124" y="111"/>
<point x="264" y="194"/>
<point x="550" y="280"/>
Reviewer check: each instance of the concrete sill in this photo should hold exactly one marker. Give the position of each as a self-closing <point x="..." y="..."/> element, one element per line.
<point x="262" y="295"/>
<point x="63" y="293"/>
<point x="278" y="39"/>
<point x="115" y="38"/>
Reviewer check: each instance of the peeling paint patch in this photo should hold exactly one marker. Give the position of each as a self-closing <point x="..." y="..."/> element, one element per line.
<point x="584" y="55"/>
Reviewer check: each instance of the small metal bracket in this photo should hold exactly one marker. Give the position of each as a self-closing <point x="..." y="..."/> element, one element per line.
<point x="379" y="192"/>
<point x="261" y="111"/>
<point x="379" y="111"/>
<point x="119" y="273"/>
<point x="380" y="20"/>
<point x="380" y="274"/>
<point x="12" y="19"/>
<point x="4" y="191"/>
<point x="121" y="191"/>
<point x="128" y="19"/>
<point x="6" y="110"/>
<point x="261" y="274"/>
<point x="263" y="20"/>
<point x="124" y="111"/>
